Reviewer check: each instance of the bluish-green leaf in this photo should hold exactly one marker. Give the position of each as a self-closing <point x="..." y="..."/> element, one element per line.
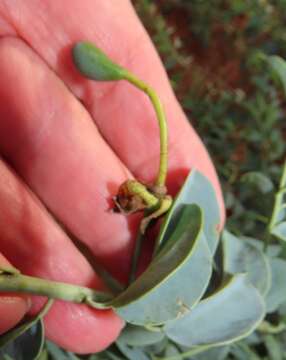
<point x="231" y="313"/>
<point x="171" y="350"/>
<point x="277" y="293"/>
<point x="279" y="231"/>
<point x="94" y="64"/>
<point x="242" y="351"/>
<point x="196" y="190"/>
<point x="217" y="353"/>
<point x="259" y="181"/>
<point x="273" y="347"/>
<point x="26" y="339"/>
<point x="278" y="65"/>
<point x="139" y="336"/>
<point x="239" y="256"/>
<point x="132" y="353"/>
<point x="176" y="278"/>
<point x="56" y="353"/>
<point x="157" y="348"/>
<point x="273" y="250"/>
<point x="28" y="345"/>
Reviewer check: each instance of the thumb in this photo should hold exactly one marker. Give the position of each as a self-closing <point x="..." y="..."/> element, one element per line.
<point x="12" y="307"/>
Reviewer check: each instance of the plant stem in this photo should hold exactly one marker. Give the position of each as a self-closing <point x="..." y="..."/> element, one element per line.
<point x="162" y="173"/>
<point x="266" y="327"/>
<point x="277" y="206"/>
<point x="19" y="283"/>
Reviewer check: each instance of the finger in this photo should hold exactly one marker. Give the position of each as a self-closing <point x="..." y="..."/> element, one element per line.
<point x="12" y="307"/>
<point x="36" y="245"/>
<point x="51" y="141"/>
<point x="123" y="116"/>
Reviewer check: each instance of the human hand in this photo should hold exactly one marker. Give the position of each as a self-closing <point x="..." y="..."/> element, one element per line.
<point x="73" y="142"/>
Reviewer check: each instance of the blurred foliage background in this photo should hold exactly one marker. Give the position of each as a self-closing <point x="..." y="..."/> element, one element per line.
<point x="212" y="53"/>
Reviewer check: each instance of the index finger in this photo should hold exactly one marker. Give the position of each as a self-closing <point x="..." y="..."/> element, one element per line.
<point x="12" y="307"/>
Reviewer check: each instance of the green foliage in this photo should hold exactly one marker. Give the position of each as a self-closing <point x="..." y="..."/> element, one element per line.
<point x="236" y="102"/>
<point x="241" y="256"/>
<point x="232" y="312"/>
<point x="191" y="193"/>
<point x="149" y="300"/>
<point x="27" y="345"/>
<point x="26" y="341"/>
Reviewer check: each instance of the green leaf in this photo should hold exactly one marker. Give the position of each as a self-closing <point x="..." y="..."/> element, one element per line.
<point x="231" y="313"/>
<point x="183" y="268"/>
<point x="280" y="231"/>
<point x="106" y="355"/>
<point x="132" y="353"/>
<point x="157" y="348"/>
<point x="273" y="348"/>
<point x="196" y="190"/>
<point x="240" y="256"/>
<point x="279" y="67"/>
<point x="28" y="345"/>
<point x="242" y="351"/>
<point x="94" y="64"/>
<point x="273" y="250"/>
<point x="139" y="336"/>
<point x="56" y="353"/>
<point x="259" y="181"/>
<point x="277" y="293"/>
<point x="218" y="353"/>
<point x="43" y="355"/>
<point x="27" y="338"/>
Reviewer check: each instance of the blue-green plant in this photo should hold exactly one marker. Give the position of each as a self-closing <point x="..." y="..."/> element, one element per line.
<point x="198" y="293"/>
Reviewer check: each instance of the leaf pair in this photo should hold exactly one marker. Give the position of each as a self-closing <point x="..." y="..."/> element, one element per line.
<point x="181" y="270"/>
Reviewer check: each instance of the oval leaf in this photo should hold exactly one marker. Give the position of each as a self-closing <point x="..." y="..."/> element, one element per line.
<point x="176" y="278"/>
<point x="280" y="231"/>
<point x="278" y="65"/>
<point x="94" y="64"/>
<point x="56" y="353"/>
<point x="196" y="190"/>
<point x="132" y="353"/>
<point x="277" y="293"/>
<point x="27" y="338"/>
<point x="273" y="250"/>
<point x="139" y="336"/>
<point x="28" y="345"/>
<point x="240" y="256"/>
<point x="217" y="353"/>
<point x="231" y="313"/>
<point x="259" y="180"/>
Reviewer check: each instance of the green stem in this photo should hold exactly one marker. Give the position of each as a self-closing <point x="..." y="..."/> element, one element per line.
<point x="277" y="206"/>
<point x="19" y="283"/>
<point x="266" y="327"/>
<point x="162" y="174"/>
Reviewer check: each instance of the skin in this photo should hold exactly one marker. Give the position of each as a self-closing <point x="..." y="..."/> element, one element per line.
<point x="67" y="144"/>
